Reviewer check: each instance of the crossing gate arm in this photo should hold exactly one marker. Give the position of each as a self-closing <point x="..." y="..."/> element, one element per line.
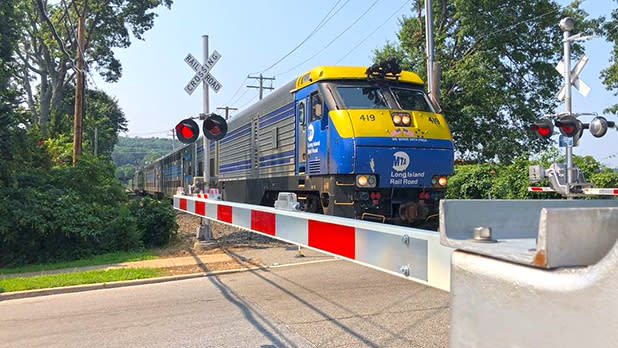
<point x="410" y="253"/>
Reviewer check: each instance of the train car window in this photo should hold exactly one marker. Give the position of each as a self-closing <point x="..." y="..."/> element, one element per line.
<point x="301" y="113"/>
<point x="362" y="97"/>
<point x="411" y="99"/>
<point x="316" y="107"/>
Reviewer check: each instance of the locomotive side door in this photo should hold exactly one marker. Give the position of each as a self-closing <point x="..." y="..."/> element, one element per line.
<point x="317" y="134"/>
<point x="301" y="136"/>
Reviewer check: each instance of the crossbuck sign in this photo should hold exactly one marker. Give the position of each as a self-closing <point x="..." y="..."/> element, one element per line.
<point x="202" y="72"/>
<point x="576" y="82"/>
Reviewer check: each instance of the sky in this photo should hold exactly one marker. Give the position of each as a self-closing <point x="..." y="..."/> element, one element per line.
<point x="253" y="37"/>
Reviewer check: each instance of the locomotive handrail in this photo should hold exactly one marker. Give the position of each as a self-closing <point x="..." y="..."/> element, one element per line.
<point x="406" y="252"/>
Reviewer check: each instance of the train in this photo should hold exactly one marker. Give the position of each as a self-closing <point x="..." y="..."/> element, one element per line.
<point x="357" y="142"/>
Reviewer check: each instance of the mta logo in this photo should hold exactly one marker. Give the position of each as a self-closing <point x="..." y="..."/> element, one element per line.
<point x="401" y="161"/>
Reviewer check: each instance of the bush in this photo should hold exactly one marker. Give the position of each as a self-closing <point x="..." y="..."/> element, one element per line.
<point x="156" y="221"/>
<point x="64" y="213"/>
<point x="496" y="181"/>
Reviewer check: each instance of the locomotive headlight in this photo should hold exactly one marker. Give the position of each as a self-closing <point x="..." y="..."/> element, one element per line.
<point x="401" y="119"/>
<point x="397" y="119"/>
<point x="361" y="180"/>
<point x="366" y="181"/>
<point x="439" y="180"/>
<point x="406" y="119"/>
<point x="442" y="181"/>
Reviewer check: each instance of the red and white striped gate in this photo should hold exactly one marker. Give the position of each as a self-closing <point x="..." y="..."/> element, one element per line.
<point x="414" y="254"/>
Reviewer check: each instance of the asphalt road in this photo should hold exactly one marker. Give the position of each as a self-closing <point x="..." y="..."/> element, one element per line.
<point x="326" y="304"/>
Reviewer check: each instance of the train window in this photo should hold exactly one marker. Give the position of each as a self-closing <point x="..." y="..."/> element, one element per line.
<point x="362" y="97"/>
<point x="316" y="107"/>
<point x="411" y="99"/>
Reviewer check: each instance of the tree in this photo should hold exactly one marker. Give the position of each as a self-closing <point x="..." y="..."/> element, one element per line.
<point x="18" y="144"/>
<point x="50" y="36"/>
<point x="610" y="74"/>
<point x="497" y="59"/>
<point x="102" y="112"/>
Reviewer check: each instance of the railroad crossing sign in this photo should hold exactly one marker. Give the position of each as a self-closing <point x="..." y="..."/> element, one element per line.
<point x="202" y="72"/>
<point x="576" y="82"/>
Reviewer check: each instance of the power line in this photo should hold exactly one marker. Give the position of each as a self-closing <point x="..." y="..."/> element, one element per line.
<point x="373" y="32"/>
<point x="323" y="22"/>
<point x="250" y="101"/>
<point x="331" y="42"/>
<point x="237" y="90"/>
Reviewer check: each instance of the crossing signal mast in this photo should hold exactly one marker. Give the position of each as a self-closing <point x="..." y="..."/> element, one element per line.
<point x="566" y="178"/>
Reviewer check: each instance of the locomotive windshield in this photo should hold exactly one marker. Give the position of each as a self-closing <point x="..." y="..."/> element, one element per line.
<point x="412" y="99"/>
<point x="362" y="97"/>
<point x="383" y="97"/>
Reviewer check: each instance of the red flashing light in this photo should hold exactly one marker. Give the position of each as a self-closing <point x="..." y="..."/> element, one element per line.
<point x="187" y="131"/>
<point x="543" y="127"/>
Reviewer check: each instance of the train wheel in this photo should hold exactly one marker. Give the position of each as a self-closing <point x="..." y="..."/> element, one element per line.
<point x="313" y="204"/>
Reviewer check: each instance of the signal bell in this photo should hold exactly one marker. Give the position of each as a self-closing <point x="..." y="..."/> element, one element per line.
<point x="187" y="131"/>
<point x="215" y="127"/>
<point x="569" y="126"/>
<point x="543" y="127"/>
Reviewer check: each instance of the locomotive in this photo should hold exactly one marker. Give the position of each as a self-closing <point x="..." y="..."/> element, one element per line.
<point x="356" y="142"/>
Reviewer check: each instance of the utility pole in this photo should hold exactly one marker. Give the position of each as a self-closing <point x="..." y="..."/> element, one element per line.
<point x="261" y="86"/>
<point x="78" y="115"/>
<point x="567" y="24"/>
<point x="433" y="68"/>
<point x="227" y="110"/>
<point x="205" y="142"/>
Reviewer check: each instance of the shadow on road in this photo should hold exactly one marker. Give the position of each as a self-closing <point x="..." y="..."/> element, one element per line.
<point x="367" y="341"/>
<point x="271" y="332"/>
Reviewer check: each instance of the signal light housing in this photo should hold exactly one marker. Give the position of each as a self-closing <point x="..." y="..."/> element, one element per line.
<point x="187" y="131"/>
<point x="543" y="127"/>
<point x="569" y="126"/>
<point x="215" y="127"/>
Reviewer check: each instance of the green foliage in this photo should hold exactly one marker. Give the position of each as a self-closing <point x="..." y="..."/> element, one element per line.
<point x="46" y="60"/>
<point x="497" y="62"/>
<point x="64" y="213"/>
<point x="101" y="112"/>
<point x="156" y="221"/>
<point x="76" y="278"/>
<point x="102" y="259"/>
<point x="510" y="181"/>
<point x="132" y="153"/>
<point x="610" y="74"/>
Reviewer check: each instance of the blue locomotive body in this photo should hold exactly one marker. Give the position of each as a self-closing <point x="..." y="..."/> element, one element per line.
<point x="345" y="143"/>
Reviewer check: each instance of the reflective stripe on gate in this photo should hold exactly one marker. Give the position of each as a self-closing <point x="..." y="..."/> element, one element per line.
<point x="411" y="253"/>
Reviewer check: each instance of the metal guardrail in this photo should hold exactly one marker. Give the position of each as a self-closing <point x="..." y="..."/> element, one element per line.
<point x="411" y="253"/>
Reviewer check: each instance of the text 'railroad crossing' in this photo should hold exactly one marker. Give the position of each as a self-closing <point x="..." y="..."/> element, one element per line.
<point x="202" y="72"/>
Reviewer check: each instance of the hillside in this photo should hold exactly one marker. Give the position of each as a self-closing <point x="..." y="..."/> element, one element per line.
<point x="131" y="153"/>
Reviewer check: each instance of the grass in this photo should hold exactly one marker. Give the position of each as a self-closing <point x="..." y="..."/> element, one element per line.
<point x="102" y="259"/>
<point x="76" y="278"/>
